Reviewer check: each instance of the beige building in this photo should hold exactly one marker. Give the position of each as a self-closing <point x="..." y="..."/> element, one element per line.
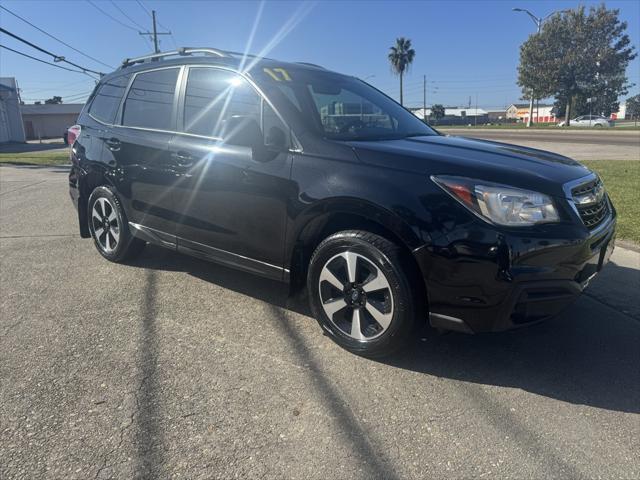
<point x="541" y="113"/>
<point x="49" y="120"/>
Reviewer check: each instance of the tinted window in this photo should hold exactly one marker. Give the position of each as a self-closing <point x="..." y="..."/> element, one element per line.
<point x="149" y="103"/>
<point x="338" y="107"/>
<point x="107" y="99"/>
<point x="344" y="111"/>
<point x="213" y="97"/>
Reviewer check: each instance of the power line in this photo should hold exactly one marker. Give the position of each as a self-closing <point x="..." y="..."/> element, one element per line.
<point x="144" y="8"/>
<point x="106" y="14"/>
<point x="77" y="96"/>
<point x="60" y="87"/>
<point x="43" y="61"/>
<point x="111" y="17"/>
<point x="56" y="58"/>
<point x="127" y="16"/>
<point x="55" y="38"/>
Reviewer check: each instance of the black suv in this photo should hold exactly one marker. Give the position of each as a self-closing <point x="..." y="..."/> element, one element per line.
<point x="307" y="176"/>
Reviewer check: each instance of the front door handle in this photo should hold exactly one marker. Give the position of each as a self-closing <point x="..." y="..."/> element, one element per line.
<point x="113" y="144"/>
<point x="183" y="159"/>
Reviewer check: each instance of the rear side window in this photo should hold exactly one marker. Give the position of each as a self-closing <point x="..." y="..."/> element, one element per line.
<point x="149" y="103"/>
<point x="213" y="96"/>
<point x="107" y="99"/>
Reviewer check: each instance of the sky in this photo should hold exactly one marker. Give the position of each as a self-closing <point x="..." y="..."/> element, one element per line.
<point x="468" y="50"/>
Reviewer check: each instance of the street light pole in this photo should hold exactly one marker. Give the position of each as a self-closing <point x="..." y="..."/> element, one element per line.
<point x="538" y="21"/>
<point x="424" y="98"/>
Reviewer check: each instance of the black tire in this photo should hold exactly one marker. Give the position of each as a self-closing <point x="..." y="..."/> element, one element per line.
<point x="106" y="204"/>
<point x="388" y="259"/>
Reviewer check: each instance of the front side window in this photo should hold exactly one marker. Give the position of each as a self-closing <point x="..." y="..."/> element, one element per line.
<point x="149" y="103"/>
<point x="338" y="107"/>
<point x="104" y="106"/>
<point x="217" y="101"/>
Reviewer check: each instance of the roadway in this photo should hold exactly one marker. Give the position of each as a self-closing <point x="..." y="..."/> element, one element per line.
<point x="582" y="145"/>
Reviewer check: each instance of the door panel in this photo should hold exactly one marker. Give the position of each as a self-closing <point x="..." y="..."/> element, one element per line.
<point x="232" y="200"/>
<point x="148" y="176"/>
<point x="140" y="148"/>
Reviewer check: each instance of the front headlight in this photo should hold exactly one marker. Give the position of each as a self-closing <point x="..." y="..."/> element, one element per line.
<point x="500" y="204"/>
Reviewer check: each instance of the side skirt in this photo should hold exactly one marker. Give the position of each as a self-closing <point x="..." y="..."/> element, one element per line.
<point x="211" y="254"/>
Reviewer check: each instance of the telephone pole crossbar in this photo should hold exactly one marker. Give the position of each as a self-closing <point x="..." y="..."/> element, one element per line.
<point x="155" y="32"/>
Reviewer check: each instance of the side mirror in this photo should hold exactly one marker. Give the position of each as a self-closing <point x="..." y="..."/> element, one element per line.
<point x="243" y="132"/>
<point x="276" y="139"/>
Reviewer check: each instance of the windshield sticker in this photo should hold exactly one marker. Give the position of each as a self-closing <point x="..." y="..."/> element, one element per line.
<point x="284" y="75"/>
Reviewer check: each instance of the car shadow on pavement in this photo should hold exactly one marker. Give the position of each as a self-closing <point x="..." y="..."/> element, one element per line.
<point x="589" y="355"/>
<point x="149" y="439"/>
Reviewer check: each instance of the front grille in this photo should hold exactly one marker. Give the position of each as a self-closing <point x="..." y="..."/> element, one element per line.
<point x="591" y="203"/>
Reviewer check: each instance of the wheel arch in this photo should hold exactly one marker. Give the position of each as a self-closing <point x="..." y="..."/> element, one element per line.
<point x="348" y="214"/>
<point x="91" y="177"/>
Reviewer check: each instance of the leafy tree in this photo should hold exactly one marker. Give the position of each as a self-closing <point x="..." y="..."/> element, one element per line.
<point x="437" y="111"/>
<point x="53" y="100"/>
<point x="576" y="56"/>
<point x="401" y="56"/>
<point x="633" y="107"/>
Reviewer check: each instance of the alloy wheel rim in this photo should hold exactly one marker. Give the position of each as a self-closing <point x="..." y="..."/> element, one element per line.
<point x="356" y="296"/>
<point x="106" y="227"/>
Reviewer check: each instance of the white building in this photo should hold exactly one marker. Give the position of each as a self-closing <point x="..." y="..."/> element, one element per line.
<point x="453" y="112"/>
<point x="11" y="129"/>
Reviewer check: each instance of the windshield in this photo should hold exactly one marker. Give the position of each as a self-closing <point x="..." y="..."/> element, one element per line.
<point x="342" y="108"/>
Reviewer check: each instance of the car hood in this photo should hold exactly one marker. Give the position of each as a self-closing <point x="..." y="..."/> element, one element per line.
<point x="491" y="161"/>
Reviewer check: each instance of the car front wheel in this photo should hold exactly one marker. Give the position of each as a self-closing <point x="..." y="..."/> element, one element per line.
<point x="361" y="294"/>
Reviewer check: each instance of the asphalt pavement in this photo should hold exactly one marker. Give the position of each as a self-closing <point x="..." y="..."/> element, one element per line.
<point x="173" y="367"/>
<point x="588" y="144"/>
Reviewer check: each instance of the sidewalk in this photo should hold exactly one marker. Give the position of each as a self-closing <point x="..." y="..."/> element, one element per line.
<point x="618" y="284"/>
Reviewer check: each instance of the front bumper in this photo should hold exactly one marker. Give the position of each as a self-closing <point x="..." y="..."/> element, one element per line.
<point x="480" y="279"/>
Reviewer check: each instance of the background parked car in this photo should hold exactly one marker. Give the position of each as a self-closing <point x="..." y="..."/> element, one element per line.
<point x="597" y="121"/>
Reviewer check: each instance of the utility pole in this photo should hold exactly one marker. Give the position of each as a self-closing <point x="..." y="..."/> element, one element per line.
<point x="476" y="117"/>
<point x="155" y="32"/>
<point x="538" y="21"/>
<point x="424" y="98"/>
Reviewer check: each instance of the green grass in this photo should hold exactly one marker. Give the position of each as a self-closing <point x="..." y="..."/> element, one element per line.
<point x="543" y="126"/>
<point x="622" y="178"/>
<point x="47" y="157"/>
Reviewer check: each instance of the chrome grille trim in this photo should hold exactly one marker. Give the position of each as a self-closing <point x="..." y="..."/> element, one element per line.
<point x="589" y="200"/>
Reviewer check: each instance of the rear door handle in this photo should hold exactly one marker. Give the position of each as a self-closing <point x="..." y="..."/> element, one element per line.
<point x="113" y="144"/>
<point x="183" y="159"/>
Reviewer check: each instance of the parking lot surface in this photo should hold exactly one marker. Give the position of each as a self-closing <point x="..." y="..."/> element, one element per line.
<point x="172" y="367"/>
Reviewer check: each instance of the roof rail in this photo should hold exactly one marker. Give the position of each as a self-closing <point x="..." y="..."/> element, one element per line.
<point x="179" y="52"/>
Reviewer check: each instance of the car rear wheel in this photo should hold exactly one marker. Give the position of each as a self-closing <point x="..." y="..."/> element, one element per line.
<point x="109" y="228"/>
<point x="360" y="293"/>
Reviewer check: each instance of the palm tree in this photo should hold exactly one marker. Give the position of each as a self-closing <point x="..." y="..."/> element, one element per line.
<point x="401" y="55"/>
